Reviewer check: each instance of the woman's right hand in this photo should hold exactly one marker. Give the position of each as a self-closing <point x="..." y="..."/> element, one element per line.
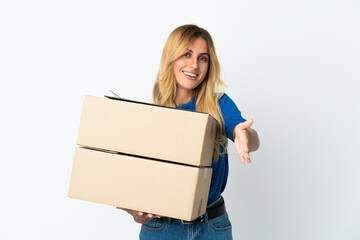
<point x="140" y="217"/>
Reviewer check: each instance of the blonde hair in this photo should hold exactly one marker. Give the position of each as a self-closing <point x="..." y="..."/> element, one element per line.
<point x="208" y="92"/>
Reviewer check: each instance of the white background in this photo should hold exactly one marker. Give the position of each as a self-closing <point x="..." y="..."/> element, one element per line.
<point x="293" y="66"/>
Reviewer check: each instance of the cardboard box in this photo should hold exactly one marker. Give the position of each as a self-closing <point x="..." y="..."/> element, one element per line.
<point x="163" y="188"/>
<point x="147" y="130"/>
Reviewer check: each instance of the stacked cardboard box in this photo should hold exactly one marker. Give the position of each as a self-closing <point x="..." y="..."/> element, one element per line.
<point x="144" y="157"/>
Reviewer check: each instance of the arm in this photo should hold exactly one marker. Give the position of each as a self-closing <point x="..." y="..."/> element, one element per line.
<point x="246" y="140"/>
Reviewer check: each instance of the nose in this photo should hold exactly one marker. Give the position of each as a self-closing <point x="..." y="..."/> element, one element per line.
<point x="193" y="62"/>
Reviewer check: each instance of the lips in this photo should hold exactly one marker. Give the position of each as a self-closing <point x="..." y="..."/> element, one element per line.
<point x="190" y="75"/>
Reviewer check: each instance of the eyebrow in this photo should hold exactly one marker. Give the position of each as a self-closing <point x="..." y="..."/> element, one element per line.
<point x="200" y="53"/>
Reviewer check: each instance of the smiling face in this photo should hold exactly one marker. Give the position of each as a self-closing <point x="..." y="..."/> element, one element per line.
<point x="191" y="68"/>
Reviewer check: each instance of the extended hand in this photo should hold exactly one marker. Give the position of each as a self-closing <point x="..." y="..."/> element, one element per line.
<point x="241" y="140"/>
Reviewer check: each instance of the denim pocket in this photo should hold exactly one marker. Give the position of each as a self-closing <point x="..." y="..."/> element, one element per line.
<point x="221" y="223"/>
<point x="156" y="224"/>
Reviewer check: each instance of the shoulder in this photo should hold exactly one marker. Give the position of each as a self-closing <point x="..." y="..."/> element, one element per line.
<point x="224" y="100"/>
<point x="222" y="96"/>
<point x="228" y="107"/>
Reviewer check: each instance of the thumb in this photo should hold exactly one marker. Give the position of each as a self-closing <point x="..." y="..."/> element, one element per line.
<point x="247" y="124"/>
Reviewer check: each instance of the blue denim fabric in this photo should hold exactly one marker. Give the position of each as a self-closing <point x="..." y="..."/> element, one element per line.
<point x="173" y="229"/>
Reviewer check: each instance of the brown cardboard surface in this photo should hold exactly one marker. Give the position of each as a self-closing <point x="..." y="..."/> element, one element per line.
<point x="167" y="189"/>
<point x="147" y="130"/>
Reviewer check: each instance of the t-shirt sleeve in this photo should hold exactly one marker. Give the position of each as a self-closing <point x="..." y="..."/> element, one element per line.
<point x="231" y="114"/>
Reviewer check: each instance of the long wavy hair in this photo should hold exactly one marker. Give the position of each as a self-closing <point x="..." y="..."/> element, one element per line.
<point x="208" y="92"/>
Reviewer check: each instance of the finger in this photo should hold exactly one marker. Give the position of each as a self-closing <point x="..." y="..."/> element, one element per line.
<point x="241" y="144"/>
<point x="239" y="150"/>
<point x="247" y="124"/>
<point x="244" y="137"/>
<point x="241" y="153"/>
<point x="149" y="215"/>
<point x="246" y="157"/>
<point x="140" y="213"/>
<point x="245" y="151"/>
<point x="245" y="147"/>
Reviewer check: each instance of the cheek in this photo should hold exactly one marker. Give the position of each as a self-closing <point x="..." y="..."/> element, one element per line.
<point x="177" y="71"/>
<point x="204" y="70"/>
<point x="178" y="65"/>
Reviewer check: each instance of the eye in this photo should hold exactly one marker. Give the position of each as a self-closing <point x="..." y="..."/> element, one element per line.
<point x="203" y="59"/>
<point x="186" y="54"/>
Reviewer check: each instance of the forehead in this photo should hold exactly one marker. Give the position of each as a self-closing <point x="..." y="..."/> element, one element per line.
<point x="199" y="45"/>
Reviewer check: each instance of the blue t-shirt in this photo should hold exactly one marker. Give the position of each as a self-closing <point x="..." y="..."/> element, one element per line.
<point x="232" y="117"/>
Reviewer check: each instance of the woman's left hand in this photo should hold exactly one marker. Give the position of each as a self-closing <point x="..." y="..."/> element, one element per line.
<point x="242" y="136"/>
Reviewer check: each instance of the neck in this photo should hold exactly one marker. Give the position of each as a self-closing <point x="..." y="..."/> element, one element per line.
<point x="183" y="96"/>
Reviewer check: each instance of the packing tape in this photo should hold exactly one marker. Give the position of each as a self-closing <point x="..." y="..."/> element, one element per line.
<point x="205" y="174"/>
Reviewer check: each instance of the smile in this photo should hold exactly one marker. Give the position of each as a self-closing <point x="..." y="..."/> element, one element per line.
<point x="190" y="74"/>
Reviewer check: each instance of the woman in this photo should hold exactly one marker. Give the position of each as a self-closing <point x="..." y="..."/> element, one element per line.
<point x="189" y="78"/>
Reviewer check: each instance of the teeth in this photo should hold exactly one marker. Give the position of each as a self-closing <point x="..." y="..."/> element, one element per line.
<point x="190" y="74"/>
